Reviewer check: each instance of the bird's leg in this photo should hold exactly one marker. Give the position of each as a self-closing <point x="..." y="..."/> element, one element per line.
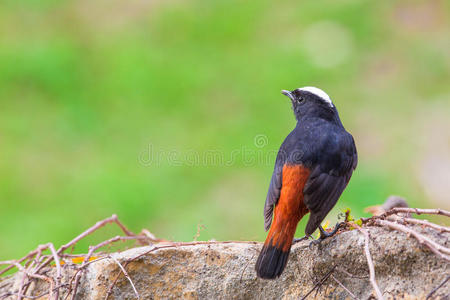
<point x="294" y="241"/>
<point x="324" y="234"/>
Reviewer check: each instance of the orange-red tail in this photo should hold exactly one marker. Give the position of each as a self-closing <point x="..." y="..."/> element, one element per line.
<point x="275" y="252"/>
<point x="288" y="212"/>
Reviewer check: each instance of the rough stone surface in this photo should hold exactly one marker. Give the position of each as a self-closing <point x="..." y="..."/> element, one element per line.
<point x="404" y="270"/>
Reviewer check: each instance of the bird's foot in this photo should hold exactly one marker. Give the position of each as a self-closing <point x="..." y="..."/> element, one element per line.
<point x="324" y="235"/>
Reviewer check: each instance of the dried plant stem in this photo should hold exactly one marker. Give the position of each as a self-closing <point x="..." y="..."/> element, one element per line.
<point x="58" y="268"/>
<point x="11" y="263"/>
<point x="441" y="251"/>
<point x="369" y="261"/>
<point x="110" y="288"/>
<point x="22" y="282"/>
<point x="126" y="276"/>
<point x="34" y="264"/>
<point x="438" y="287"/>
<point x="343" y="286"/>
<point x="318" y="284"/>
<point x="92" y="249"/>
<point x="37" y="276"/>
<point x="40" y="296"/>
<point x="78" y="271"/>
<point x="98" y="225"/>
<point x="425" y="223"/>
<point x="417" y="211"/>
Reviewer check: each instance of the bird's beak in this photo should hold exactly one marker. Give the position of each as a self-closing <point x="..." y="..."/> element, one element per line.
<point x="289" y="94"/>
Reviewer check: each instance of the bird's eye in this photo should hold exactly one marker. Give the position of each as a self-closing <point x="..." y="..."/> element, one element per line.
<point x="300" y="99"/>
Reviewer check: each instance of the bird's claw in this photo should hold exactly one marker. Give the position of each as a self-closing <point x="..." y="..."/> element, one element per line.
<point x="324" y="235"/>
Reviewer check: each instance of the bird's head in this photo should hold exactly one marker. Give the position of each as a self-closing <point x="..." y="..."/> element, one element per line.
<point x="311" y="101"/>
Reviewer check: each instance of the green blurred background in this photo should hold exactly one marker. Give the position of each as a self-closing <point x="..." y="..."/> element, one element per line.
<point x="168" y="113"/>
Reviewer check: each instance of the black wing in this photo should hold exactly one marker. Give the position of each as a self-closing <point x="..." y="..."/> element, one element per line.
<point x="327" y="182"/>
<point x="273" y="194"/>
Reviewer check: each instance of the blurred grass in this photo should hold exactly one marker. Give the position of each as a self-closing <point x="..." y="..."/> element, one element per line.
<point x="87" y="87"/>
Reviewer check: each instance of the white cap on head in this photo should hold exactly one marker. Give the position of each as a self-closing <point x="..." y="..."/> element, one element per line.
<point x="317" y="92"/>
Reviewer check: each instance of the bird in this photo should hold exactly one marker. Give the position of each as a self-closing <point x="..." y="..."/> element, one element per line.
<point x="313" y="167"/>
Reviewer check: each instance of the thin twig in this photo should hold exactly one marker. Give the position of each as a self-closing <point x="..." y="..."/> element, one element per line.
<point x="200" y="227"/>
<point x="29" y="296"/>
<point x="38" y="257"/>
<point x="92" y="249"/>
<point x="407" y="210"/>
<point x="34" y="263"/>
<point x="438" y="287"/>
<point x="22" y="282"/>
<point x="246" y="265"/>
<point x="125" y="273"/>
<point x="11" y="263"/>
<point x="370" y="262"/>
<point x="123" y="227"/>
<point x="98" y="225"/>
<point x="58" y="268"/>
<point x="425" y="223"/>
<point x="343" y="286"/>
<point x="38" y="276"/>
<point x="417" y="211"/>
<point x="439" y="250"/>
<point x="78" y="271"/>
<point x="110" y="288"/>
<point x="9" y="294"/>
<point x="318" y="284"/>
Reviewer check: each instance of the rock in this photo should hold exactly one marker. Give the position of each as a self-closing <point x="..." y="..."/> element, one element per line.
<point x="404" y="270"/>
